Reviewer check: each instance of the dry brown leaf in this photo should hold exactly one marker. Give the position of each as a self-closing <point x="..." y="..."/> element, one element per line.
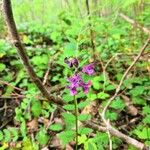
<point x="32" y="125"/>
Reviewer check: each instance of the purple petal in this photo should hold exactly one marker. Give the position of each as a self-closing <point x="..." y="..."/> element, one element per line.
<point x="88" y="69"/>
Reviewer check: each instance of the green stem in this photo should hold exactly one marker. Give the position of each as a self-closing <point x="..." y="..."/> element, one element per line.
<point x="76" y="115"/>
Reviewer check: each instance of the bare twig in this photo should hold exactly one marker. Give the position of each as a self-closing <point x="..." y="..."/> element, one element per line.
<point x="8" y="84"/>
<point x="134" y="23"/>
<point x="9" y="19"/>
<point x="118" y="134"/>
<point x="124" y="76"/>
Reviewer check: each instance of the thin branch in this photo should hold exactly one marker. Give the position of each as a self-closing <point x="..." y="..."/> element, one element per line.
<point x="124" y="76"/>
<point x="118" y="134"/>
<point x="8" y="84"/>
<point x="134" y="23"/>
<point x="9" y="19"/>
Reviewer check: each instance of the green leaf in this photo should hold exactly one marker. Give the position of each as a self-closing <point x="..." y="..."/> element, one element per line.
<point x="69" y="120"/>
<point x="69" y="107"/>
<point x="27" y="144"/>
<point x="7" y="135"/>
<point x="117" y="104"/>
<point x="1" y="136"/>
<point x="2" y="67"/>
<point x="83" y="104"/>
<point x="42" y="137"/>
<point x="138" y="90"/>
<point x="139" y="101"/>
<point x="84" y="130"/>
<point x="84" y="117"/>
<point x="102" y="95"/>
<point x="110" y="87"/>
<point x="66" y="136"/>
<point x="146" y="120"/>
<point x="82" y="139"/>
<point x="146" y="110"/>
<point x="56" y="127"/>
<point x="23" y="129"/>
<point x="36" y="108"/>
<point x="143" y="134"/>
<point x="70" y="49"/>
<point x="90" y="145"/>
<point x="14" y="133"/>
<point x="67" y="98"/>
<point x="91" y="96"/>
<point x="111" y="115"/>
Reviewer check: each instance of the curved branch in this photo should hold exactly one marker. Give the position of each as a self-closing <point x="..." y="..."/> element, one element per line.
<point x="118" y="134"/>
<point x="9" y="19"/>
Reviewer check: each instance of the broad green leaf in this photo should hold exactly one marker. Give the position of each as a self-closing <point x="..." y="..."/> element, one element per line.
<point x="82" y="139"/>
<point x="102" y="95"/>
<point x="111" y="115"/>
<point x="143" y="134"/>
<point x="138" y="90"/>
<point x="36" y="108"/>
<point x="7" y="135"/>
<point x="84" y="130"/>
<point x="42" y="137"/>
<point x="117" y="104"/>
<point x="69" y="107"/>
<point x="23" y="129"/>
<point x="27" y="144"/>
<point x="1" y="136"/>
<point x="66" y="136"/>
<point x="2" y="67"/>
<point x="56" y="127"/>
<point x="84" y="117"/>
<point x="146" y="110"/>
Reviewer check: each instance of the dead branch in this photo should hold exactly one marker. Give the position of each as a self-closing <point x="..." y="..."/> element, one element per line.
<point x="118" y="134"/>
<point x="124" y="76"/>
<point x="9" y="19"/>
<point x="134" y="23"/>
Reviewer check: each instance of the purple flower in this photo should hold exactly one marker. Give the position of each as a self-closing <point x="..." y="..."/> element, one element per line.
<point x="88" y="69"/>
<point x="74" y="80"/>
<point x="74" y="83"/>
<point x="85" y="86"/>
<point x="71" y="62"/>
<point x="73" y="90"/>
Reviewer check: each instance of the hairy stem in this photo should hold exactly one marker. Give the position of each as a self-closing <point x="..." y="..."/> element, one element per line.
<point x="76" y="115"/>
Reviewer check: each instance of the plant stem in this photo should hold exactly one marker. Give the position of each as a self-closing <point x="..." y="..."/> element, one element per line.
<point x="76" y="115"/>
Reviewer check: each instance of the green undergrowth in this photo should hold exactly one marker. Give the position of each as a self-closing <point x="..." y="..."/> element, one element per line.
<point x="47" y="45"/>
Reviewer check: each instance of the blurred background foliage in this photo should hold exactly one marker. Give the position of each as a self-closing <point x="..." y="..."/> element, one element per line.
<point x="54" y="29"/>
